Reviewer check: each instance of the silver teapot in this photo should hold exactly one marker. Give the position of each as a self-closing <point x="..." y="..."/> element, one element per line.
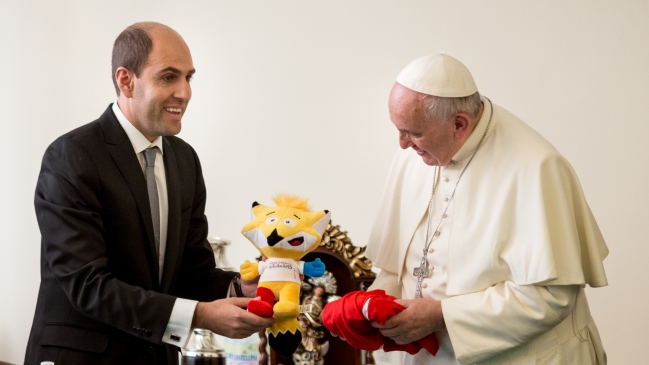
<point x="218" y="246"/>
<point x="202" y="349"/>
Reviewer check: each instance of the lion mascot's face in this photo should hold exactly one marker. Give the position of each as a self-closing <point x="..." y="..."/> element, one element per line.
<point x="285" y="230"/>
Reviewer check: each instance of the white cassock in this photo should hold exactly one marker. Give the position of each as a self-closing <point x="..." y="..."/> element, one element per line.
<point x="514" y="250"/>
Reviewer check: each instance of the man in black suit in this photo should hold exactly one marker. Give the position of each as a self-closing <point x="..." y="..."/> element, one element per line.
<point x="126" y="271"/>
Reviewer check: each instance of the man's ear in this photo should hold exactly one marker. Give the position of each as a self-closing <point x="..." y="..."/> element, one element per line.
<point x="125" y="81"/>
<point x="461" y="125"/>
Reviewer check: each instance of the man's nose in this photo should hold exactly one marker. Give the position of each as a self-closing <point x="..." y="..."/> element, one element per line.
<point x="184" y="91"/>
<point x="404" y="141"/>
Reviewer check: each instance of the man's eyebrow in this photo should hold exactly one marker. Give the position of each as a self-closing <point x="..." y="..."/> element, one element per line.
<point x="175" y="71"/>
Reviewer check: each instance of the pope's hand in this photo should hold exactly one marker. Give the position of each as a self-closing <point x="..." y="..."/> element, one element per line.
<point x="420" y="318"/>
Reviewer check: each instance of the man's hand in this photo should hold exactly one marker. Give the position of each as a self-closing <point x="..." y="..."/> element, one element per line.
<point x="420" y="318"/>
<point x="249" y="287"/>
<point x="229" y="318"/>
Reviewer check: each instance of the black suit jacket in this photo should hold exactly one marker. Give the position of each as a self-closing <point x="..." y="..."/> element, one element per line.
<point x="99" y="300"/>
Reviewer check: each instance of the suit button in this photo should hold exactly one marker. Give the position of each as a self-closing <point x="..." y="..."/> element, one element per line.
<point x="149" y="333"/>
<point x="141" y="332"/>
<point x="135" y="329"/>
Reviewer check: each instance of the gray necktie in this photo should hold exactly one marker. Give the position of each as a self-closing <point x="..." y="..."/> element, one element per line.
<point x="152" y="187"/>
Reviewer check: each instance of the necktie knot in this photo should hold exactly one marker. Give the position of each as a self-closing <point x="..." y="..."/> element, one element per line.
<point x="149" y="156"/>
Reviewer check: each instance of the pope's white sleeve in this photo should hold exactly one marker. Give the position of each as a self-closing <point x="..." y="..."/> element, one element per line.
<point x="387" y="281"/>
<point x="489" y="322"/>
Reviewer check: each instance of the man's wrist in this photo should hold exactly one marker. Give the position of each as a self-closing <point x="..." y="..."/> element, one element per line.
<point x="196" y="320"/>
<point x="236" y="284"/>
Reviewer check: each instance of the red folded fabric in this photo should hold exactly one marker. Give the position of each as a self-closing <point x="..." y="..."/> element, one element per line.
<point x="344" y="318"/>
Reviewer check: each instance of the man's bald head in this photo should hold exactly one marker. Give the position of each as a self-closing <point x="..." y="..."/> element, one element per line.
<point x="133" y="46"/>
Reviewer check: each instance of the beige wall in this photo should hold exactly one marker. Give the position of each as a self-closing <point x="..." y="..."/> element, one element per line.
<point x="290" y="96"/>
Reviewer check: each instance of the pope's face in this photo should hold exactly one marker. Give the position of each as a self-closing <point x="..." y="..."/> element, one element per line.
<point x="162" y="91"/>
<point x="433" y="140"/>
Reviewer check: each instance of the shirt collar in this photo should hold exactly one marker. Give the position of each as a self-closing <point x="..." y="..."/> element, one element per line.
<point x="472" y="142"/>
<point x="138" y="140"/>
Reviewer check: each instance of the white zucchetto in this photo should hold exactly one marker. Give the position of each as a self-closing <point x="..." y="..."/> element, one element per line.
<point x="439" y="75"/>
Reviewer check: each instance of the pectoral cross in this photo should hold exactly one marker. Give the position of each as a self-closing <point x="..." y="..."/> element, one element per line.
<point x="421" y="272"/>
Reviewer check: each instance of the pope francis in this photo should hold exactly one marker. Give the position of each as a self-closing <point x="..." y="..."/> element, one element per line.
<point x="483" y="230"/>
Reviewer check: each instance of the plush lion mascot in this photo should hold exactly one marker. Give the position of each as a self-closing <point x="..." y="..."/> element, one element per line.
<point x="283" y="234"/>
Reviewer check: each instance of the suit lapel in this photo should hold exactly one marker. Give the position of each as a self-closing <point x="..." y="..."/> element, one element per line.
<point x="174" y="193"/>
<point x="121" y="150"/>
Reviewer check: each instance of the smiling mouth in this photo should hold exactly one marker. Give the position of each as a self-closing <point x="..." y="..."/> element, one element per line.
<point x="296" y="241"/>
<point x="174" y="110"/>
